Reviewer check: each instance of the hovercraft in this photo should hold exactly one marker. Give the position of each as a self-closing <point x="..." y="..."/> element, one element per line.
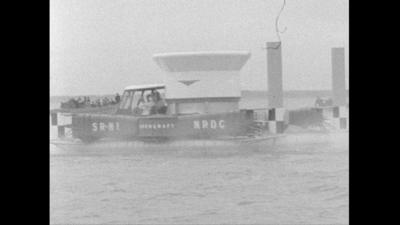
<point x="197" y="104"/>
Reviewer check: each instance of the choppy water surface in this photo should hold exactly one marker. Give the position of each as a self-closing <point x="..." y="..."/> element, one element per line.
<point x="302" y="179"/>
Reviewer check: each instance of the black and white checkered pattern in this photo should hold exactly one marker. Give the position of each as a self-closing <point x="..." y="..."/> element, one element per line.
<point x="276" y="120"/>
<point x="340" y="118"/>
<point x="62" y="122"/>
<point x="337" y="116"/>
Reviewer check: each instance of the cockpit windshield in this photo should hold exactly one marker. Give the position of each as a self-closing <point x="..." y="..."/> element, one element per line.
<point x="143" y="102"/>
<point x="126" y="98"/>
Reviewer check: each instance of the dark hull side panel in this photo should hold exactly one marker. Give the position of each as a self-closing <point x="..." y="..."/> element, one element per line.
<point x="92" y="126"/>
<point x="212" y="125"/>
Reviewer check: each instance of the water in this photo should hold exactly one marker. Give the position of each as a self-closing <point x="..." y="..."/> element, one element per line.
<point x="303" y="179"/>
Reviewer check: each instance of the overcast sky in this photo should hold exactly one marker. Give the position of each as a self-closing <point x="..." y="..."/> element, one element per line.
<point x="101" y="46"/>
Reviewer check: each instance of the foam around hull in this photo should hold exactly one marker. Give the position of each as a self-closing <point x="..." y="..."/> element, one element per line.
<point x="242" y="144"/>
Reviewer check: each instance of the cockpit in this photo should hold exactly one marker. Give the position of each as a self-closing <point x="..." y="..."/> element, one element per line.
<point x="143" y="100"/>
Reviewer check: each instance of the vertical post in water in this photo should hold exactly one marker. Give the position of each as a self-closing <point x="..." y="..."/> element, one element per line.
<point x="340" y="114"/>
<point x="338" y="77"/>
<point x="276" y="111"/>
<point x="274" y="70"/>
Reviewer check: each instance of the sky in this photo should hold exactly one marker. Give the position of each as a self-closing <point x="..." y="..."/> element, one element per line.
<point x="102" y="46"/>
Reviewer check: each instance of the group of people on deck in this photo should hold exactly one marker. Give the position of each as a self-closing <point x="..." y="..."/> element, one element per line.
<point x="152" y="104"/>
<point x="75" y="103"/>
<point x="320" y="102"/>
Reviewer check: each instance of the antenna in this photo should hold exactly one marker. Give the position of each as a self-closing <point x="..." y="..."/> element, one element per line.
<point x="277" y="30"/>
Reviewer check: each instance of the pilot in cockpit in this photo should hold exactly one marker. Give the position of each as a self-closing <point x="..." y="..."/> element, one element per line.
<point x="147" y="105"/>
<point x="160" y="106"/>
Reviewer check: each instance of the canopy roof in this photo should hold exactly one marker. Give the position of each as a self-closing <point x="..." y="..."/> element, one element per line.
<point x="202" y="61"/>
<point x="144" y="87"/>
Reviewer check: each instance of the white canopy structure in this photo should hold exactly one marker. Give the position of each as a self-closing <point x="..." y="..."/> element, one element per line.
<point x="144" y="86"/>
<point x="202" y="74"/>
<point x="203" y="81"/>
